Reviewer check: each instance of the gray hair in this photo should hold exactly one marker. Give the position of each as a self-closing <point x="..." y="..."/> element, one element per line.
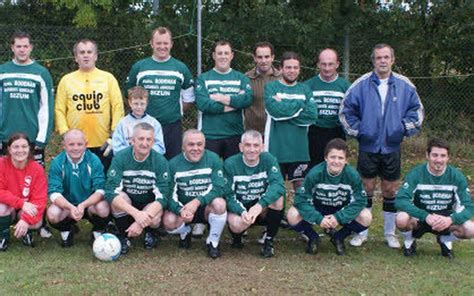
<point x="380" y="46"/>
<point x="252" y="134"/>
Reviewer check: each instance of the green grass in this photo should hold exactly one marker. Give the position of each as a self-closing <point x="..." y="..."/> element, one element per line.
<point x="372" y="269"/>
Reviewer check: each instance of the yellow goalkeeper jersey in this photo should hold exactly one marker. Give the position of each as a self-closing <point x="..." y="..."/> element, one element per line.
<point x="90" y="101"/>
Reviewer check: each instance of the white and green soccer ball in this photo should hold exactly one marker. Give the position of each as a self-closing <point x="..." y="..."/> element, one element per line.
<point x="107" y="247"/>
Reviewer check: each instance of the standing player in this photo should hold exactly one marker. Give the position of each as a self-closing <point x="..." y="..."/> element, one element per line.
<point x="197" y="182"/>
<point x="332" y="195"/>
<point x="380" y="109"/>
<point x="255" y="191"/>
<point x="435" y="198"/>
<point x="76" y="189"/>
<point x="26" y="96"/>
<point x="26" y="100"/>
<point x="137" y="188"/>
<point x="290" y="111"/>
<point x="261" y="74"/>
<point x="221" y="95"/>
<point x="89" y="99"/>
<point x="328" y="90"/>
<point x="170" y="87"/>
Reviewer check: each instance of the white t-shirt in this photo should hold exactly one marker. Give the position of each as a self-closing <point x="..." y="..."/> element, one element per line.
<point x="383" y="89"/>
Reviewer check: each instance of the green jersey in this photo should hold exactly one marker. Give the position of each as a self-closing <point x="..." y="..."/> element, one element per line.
<point x="286" y="130"/>
<point x="327" y="97"/>
<point x="246" y="184"/>
<point x="26" y="102"/>
<point x="75" y="181"/>
<point x="203" y="180"/>
<point x="213" y="121"/>
<point x="423" y="193"/>
<point x="343" y="193"/>
<point x="143" y="181"/>
<point x="166" y="82"/>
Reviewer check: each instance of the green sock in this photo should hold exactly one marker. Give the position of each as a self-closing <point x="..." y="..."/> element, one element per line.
<point x="5" y="227"/>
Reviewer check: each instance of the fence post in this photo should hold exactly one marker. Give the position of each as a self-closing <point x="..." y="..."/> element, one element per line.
<point x="346" y="61"/>
<point x="199" y="38"/>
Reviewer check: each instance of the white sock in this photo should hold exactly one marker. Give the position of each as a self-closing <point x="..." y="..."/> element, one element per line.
<point x="217" y="224"/>
<point x="408" y="238"/>
<point x="389" y="223"/>
<point x="182" y="230"/>
<point x="64" y="234"/>
<point x="364" y="233"/>
<point x="96" y="234"/>
<point x="448" y="240"/>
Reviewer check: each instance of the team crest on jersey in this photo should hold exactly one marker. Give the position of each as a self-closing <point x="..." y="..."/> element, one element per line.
<point x="112" y="173"/>
<point x="165" y="175"/>
<point x="198" y="87"/>
<point x="364" y="193"/>
<point x="274" y="169"/>
<point x="405" y="185"/>
<point x="302" y="190"/>
<point x="468" y="191"/>
<point x="26" y="188"/>
<point x="220" y="174"/>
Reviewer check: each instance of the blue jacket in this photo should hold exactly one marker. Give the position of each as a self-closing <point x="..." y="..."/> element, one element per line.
<point x="361" y="113"/>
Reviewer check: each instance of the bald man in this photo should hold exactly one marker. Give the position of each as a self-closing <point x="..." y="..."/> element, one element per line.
<point x="328" y="90"/>
<point x="76" y="188"/>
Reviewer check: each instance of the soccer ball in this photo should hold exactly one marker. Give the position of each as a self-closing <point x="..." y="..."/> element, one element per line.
<point x="107" y="247"/>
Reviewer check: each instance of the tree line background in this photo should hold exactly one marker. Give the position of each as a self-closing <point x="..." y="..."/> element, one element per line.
<point x="433" y="40"/>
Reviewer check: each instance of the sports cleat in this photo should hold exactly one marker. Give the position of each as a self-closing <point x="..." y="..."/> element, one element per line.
<point x="357" y="240"/>
<point x="262" y="238"/>
<point x="150" y="241"/>
<point x="27" y="240"/>
<point x="44" y="232"/>
<point x="445" y="251"/>
<point x="411" y="251"/>
<point x="69" y="241"/>
<point x="212" y="251"/>
<point x="392" y="241"/>
<point x="339" y="245"/>
<point x="237" y="242"/>
<point x="198" y="230"/>
<point x="312" y="246"/>
<point x="126" y="244"/>
<point x="267" y="249"/>
<point x="185" y="243"/>
<point x="3" y="245"/>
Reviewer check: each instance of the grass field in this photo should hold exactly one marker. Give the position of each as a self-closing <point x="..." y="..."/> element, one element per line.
<point x="370" y="270"/>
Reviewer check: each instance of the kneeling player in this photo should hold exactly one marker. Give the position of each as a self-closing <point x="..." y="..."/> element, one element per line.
<point x="23" y="191"/>
<point x="332" y="195"/>
<point x="76" y="188"/>
<point x="435" y="198"/>
<point x="255" y="191"/>
<point x="137" y="188"/>
<point x="198" y="183"/>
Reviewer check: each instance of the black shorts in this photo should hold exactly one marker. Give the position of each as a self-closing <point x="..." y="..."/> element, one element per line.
<point x="318" y="138"/>
<point x="386" y="166"/>
<point x="173" y="137"/>
<point x="295" y="171"/>
<point x="141" y="205"/>
<point x="200" y="215"/>
<point x="224" y="147"/>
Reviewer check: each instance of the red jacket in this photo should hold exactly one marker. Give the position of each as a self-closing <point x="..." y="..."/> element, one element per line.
<point x="20" y="185"/>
